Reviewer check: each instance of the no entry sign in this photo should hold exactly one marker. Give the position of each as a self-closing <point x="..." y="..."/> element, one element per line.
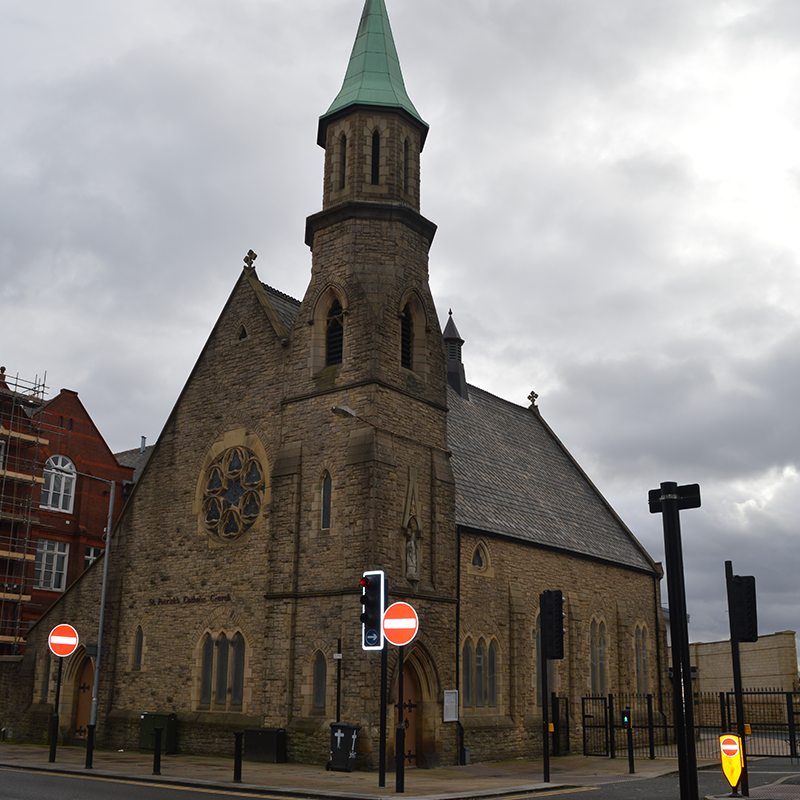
<point x="730" y="747"/>
<point x="63" y="640"/>
<point x="400" y="623"/>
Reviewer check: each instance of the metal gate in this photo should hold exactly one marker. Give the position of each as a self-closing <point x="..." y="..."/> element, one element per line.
<point x="773" y="721"/>
<point x="595" y="726"/>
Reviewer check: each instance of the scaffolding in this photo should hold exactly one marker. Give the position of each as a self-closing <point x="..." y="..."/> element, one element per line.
<point x="21" y="480"/>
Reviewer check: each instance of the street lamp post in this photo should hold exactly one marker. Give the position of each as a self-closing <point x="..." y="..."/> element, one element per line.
<point x="93" y="714"/>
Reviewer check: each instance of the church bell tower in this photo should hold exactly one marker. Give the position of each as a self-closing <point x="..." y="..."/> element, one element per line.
<point x="369" y="302"/>
<point x="367" y="345"/>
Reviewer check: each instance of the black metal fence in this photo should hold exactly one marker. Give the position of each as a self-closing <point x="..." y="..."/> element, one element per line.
<point x="773" y="720"/>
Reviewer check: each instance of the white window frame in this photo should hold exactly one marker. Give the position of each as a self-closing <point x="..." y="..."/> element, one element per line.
<point x="91" y="555"/>
<point x="52" y="560"/>
<point x="58" y="491"/>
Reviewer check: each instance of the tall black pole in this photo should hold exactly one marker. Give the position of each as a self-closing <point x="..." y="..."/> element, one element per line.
<point x="544" y="688"/>
<point x="669" y="500"/>
<point x="54" y="722"/>
<point x="338" y="658"/>
<point x="737" y="676"/>
<point x="382" y="737"/>
<point x="400" y="734"/>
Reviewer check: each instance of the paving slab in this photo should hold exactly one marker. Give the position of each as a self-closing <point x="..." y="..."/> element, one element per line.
<point x="497" y="779"/>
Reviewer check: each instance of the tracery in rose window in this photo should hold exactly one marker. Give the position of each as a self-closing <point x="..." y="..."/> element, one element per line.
<point x="233" y="494"/>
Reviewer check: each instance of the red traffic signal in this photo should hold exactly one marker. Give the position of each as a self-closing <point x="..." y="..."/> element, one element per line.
<point x="373" y="601"/>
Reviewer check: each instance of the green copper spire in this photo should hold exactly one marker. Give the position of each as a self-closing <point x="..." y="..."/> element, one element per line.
<point x="373" y="77"/>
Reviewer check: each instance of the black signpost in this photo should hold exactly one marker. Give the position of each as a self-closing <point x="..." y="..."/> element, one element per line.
<point x="668" y="500"/>
<point x="400" y="731"/>
<point x="545" y="709"/>
<point x="374" y="599"/>
<point x="551" y="634"/>
<point x="54" y="720"/>
<point x="744" y="628"/>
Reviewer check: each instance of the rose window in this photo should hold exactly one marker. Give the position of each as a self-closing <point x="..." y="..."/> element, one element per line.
<point x="234" y="487"/>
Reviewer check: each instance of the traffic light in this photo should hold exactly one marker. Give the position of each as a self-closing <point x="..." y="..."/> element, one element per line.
<point x="373" y="600"/>
<point x="626" y="718"/>
<point x="552" y="616"/>
<point x="742" y="602"/>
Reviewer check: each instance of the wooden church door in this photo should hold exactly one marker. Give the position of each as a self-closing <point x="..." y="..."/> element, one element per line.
<point x="83" y="711"/>
<point x="412" y="715"/>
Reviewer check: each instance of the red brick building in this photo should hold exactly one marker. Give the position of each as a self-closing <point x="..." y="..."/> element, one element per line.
<point x="55" y="474"/>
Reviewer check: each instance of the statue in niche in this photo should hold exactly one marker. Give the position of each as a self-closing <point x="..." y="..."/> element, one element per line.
<point x="412" y="553"/>
<point x="411" y="511"/>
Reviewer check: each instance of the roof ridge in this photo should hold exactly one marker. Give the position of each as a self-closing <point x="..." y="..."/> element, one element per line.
<point x="497" y="397"/>
<point x="279" y="293"/>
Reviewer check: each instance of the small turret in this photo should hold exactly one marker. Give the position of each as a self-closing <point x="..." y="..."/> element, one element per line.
<point x="456" y="376"/>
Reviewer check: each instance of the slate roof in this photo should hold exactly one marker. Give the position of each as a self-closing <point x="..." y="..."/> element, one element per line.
<point x="285" y="307"/>
<point x="515" y="478"/>
<point x="136" y="458"/>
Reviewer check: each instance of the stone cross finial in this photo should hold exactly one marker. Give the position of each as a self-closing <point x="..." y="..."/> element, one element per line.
<point x="250" y="258"/>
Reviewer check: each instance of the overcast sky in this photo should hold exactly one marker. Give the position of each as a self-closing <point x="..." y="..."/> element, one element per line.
<point x="616" y="185"/>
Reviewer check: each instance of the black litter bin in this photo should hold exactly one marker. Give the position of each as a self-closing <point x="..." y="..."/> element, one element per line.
<point x="148" y="723"/>
<point x="265" y="744"/>
<point x="344" y="738"/>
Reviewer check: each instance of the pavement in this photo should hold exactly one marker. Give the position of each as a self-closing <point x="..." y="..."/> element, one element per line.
<point x="495" y="780"/>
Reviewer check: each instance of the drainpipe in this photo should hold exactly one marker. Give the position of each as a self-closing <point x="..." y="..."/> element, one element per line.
<point x="458" y="642"/>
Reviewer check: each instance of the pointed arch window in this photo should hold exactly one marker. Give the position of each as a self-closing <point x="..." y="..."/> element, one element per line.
<point x="479" y="669"/>
<point x="334" y="335"/>
<point x="466" y="662"/>
<point x="221" y="694"/>
<point x="597" y="657"/>
<point x="237" y="673"/>
<point x="376" y="158"/>
<point x="342" y="161"/>
<point x="480" y="675"/>
<point x="222" y="672"/>
<point x="640" y="647"/>
<point x="320" y="680"/>
<point x="406" y="167"/>
<point x="491" y="676"/>
<point x="327" y="488"/>
<point x="207" y="671"/>
<point x="407" y="337"/>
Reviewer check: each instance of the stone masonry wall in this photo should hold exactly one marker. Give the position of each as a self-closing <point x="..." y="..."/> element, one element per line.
<point x="500" y="602"/>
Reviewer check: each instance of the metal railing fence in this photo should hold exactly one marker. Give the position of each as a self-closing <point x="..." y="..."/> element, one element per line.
<point x="773" y="718"/>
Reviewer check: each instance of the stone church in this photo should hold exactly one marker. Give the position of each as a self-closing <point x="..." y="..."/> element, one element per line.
<point x="233" y="572"/>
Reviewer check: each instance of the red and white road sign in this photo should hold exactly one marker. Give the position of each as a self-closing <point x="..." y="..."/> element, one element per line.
<point x="63" y="640"/>
<point x="732" y="756"/>
<point x="729" y="746"/>
<point x="400" y="623"/>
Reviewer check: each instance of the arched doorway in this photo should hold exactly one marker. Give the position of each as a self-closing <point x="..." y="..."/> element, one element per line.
<point x="83" y="701"/>
<point x="412" y="715"/>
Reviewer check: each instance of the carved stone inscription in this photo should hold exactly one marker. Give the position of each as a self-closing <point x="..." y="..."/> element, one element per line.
<point x="189" y="599"/>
